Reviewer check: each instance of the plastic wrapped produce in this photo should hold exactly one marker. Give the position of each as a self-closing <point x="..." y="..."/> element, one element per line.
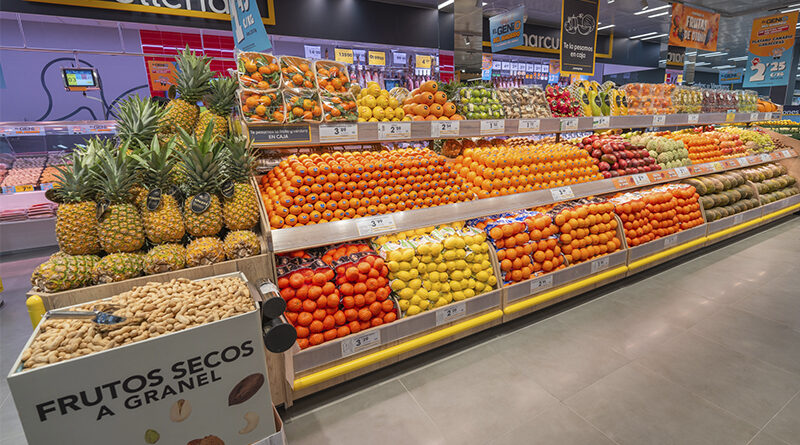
<point x="302" y="105"/>
<point x="645" y="98"/>
<point x="297" y="72"/>
<point x="332" y="76"/>
<point x="266" y="106"/>
<point x="523" y="103"/>
<point x="338" y="107"/>
<point x="478" y="103"/>
<point x="258" y="70"/>
<point x="687" y="99"/>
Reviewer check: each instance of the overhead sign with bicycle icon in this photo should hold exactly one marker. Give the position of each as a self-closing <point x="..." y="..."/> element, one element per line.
<point x="578" y="36"/>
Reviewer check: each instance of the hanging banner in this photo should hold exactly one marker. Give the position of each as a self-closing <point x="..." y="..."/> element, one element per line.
<point x="555" y="66"/>
<point x="505" y="30"/>
<point x="693" y="28"/>
<point x="769" y="56"/>
<point x="676" y="55"/>
<point x="249" y="33"/>
<point x="343" y="55"/>
<point x="578" y="36"/>
<point x="730" y="77"/>
<point x="486" y="67"/>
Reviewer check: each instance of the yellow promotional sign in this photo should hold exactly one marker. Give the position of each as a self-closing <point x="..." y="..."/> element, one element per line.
<point x="344" y="55"/>
<point x="423" y="61"/>
<point x="771" y="36"/>
<point x="377" y="58"/>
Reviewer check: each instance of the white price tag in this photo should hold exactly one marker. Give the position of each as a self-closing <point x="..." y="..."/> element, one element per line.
<point x="670" y="241"/>
<point x="765" y="157"/>
<point x="767" y="116"/>
<point x="753" y="116"/>
<point x="601" y="122"/>
<point x="541" y="283"/>
<point x="682" y="172"/>
<point x="313" y="52"/>
<point x="444" y="128"/>
<point x="529" y="125"/>
<point x="693" y="118"/>
<point x="641" y="179"/>
<point x="394" y="130"/>
<point x="375" y="224"/>
<point x="338" y="132"/>
<point x="737" y="219"/>
<point x="786" y="153"/>
<point x="659" y="120"/>
<point x="569" y="124"/>
<point x="360" y="342"/>
<point x="599" y="264"/>
<point x="493" y="126"/>
<point x="451" y="312"/>
<point x="562" y="193"/>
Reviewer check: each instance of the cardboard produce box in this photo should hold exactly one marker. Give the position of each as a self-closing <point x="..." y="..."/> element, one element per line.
<point x="204" y="385"/>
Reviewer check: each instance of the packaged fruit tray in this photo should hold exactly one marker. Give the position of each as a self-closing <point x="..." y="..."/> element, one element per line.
<point x="478" y="103"/>
<point x="258" y="71"/>
<point x="297" y="72"/>
<point x="332" y="77"/>
<point x="338" y="107"/>
<point x="302" y="105"/>
<point x="262" y="106"/>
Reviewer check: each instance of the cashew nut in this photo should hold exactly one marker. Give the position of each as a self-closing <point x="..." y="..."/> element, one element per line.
<point x="252" y="422"/>
<point x="180" y="411"/>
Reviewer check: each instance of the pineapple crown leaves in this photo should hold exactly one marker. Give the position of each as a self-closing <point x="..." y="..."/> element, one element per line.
<point x="115" y="174"/>
<point x="156" y="162"/>
<point x="240" y="160"/>
<point x="221" y="96"/>
<point x="138" y="119"/>
<point x="73" y="180"/>
<point x="202" y="161"/>
<point x="193" y="75"/>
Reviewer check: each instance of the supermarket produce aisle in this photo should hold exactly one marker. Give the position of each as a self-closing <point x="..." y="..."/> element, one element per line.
<point x="702" y="350"/>
<point x="699" y="351"/>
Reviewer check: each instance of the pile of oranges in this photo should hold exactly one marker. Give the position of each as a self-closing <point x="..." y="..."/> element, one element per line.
<point x="586" y="229"/>
<point x="332" y="76"/>
<point x="703" y="147"/>
<point x="427" y="103"/>
<point x="661" y="211"/>
<point x="296" y="72"/>
<point x="505" y="170"/>
<point x="317" y="188"/>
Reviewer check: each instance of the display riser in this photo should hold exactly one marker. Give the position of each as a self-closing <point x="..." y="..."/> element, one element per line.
<point x="29" y="234"/>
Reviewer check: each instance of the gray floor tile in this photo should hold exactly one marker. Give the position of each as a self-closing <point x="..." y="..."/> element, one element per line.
<point x="746" y="387"/>
<point x="755" y="336"/>
<point x="635" y="406"/>
<point x="560" y="360"/>
<point x="559" y="425"/>
<point x="786" y="425"/>
<point x="763" y="438"/>
<point x="780" y="302"/>
<point x="10" y="426"/>
<point x="476" y="396"/>
<point x="383" y="414"/>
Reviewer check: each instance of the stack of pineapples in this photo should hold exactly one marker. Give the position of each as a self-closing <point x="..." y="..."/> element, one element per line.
<point x="174" y="191"/>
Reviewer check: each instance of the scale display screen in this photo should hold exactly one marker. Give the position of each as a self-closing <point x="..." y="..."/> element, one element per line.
<point x="79" y="79"/>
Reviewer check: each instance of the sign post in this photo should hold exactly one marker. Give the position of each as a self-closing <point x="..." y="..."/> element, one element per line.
<point x="578" y="36"/>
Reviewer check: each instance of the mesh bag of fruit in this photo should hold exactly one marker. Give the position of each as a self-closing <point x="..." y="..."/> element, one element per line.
<point x="361" y="279"/>
<point x="338" y="107"/>
<point x="332" y="76"/>
<point x="297" y="72"/>
<point x="258" y="70"/>
<point x="478" y="103"/>
<point x="312" y="300"/>
<point x="302" y="105"/>
<point x="262" y="106"/>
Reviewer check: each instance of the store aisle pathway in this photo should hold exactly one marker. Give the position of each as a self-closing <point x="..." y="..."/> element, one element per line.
<point x="706" y="351"/>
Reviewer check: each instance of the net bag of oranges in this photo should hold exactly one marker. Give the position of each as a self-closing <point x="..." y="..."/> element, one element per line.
<point x="587" y="228"/>
<point x="312" y="300"/>
<point x="258" y="70"/>
<point x="332" y="76"/>
<point x="297" y="72"/>
<point x="302" y="105"/>
<point x="338" y="107"/>
<point x="262" y="106"/>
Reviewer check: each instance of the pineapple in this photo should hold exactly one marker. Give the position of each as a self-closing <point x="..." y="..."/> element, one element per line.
<point x="191" y="84"/>
<point x="241" y="244"/>
<point x="165" y="258"/>
<point x="76" y="221"/>
<point x="240" y="210"/>
<point x="120" y="225"/>
<point x="164" y="222"/>
<point x="205" y="250"/>
<point x="138" y="120"/>
<point x="219" y="102"/>
<point x="202" y="164"/>
<point x="117" y="267"/>
<point x="62" y="272"/>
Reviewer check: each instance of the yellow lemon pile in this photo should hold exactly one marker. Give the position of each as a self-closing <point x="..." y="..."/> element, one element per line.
<point x="376" y="105"/>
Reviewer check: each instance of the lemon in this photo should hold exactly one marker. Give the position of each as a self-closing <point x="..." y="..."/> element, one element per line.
<point x="445" y="287"/>
<point x="415" y="284"/>
<point x="479" y="287"/>
<point x="491" y="281"/>
<point x="482" y="276"/>
<point x="450" y="242"/>
<point x="461" y="264"/>
<point x="413" y="310"/>
<point x="378" y="112"/>
<point x="437" y="286"/>
<point x="426" y="259"/>
<point x="424" y="304"/>
<point x="461" y="253"/>
<point x="361" y="119"/>
<point x="396" y="285"/>
<point x="404" y="304"/>
<point x="404" y="275"/>
<point x="365" y="112"/>
<point x="372" y="119"/>
<point x="455" y="286"/>
<point x="433" y="275"/>
<point x="433" y="295"/>
<point x="388" y="112"/>
<point x="393" y="266"/>
<point x="458" y="295"/>
<point x="382" y="101"/>
<point x="407" y="118"/>
<point x="475" y="267"/>
<point x="408" y="254"/>
<point x="422" y="293"/>
<point x="442" y="267"/>
<point x="394" y="103"/>
<point x="422" y="268"/>
<point x="440" y="302"/>
<point x="467" y="272"/>
<point x="468" y="293"/>
<point x="406" y="293"/>
<point x="385" y="94"/>
<point x="449" y="255"/>
<point x="485" y="264"/>
<point x="369" y="102"/>
<point x="456" y="275"/>
<point x="436" y="248"/>
<point x="447" y="298"/>
<point x="466" y="284"/>
<point x="399" y="113"/>
<point x="415" y="300"/>
<point x="404" y="265"/>
<point x="424" y="251"/>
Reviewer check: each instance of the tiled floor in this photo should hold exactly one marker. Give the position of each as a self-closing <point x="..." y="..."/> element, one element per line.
<point x="705" y="350"/>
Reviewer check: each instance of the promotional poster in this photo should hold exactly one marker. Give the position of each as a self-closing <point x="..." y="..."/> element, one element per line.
<point x="693" y="28"/>
<point x="769" y="55"/>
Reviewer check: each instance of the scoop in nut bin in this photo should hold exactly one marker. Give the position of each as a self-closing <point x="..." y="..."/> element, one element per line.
<point x="97" y="317"/>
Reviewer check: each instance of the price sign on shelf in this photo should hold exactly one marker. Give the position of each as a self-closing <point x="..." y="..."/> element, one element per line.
<point x="562" y="193"/>
<point x="765" y="157"/>
<point x="601" y="122"/>
<point x="529" y="125"/>
<point x="444" y="128"/>
<point x="569" y="124"/>
<point x="493" y="126"/>
<point x="670" y="241"/>
<point x="394" y="130"/>
<point x="682" y="172"/>
<point x="693" y="118"/>
<point x="541" y="283"/>
<point x="641" y="179"/>
<point x="659" y="120"/>
<point x="23" y="188"/>
<point x="353" y="344"/>
<point x="451" y="312"/>
<point x="375" y="224"/>
<point x="717" y="166"/>
<point x="737" y="219"/>
<point x="338" y="132"/>
<point x="787" y="153"/>
<point x="730" y="116"/>
<point x="753" y="116"/>
<point x="767" y="116"/>
<point x="599" y="264"/>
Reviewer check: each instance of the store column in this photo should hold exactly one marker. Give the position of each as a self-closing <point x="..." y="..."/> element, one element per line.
<point x="468" y="38"/>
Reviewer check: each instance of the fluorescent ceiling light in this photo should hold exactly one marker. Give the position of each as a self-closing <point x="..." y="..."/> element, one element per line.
<point x="737" y="59"/>
<point x="644" y="35"/>
<point x="649" y="10"/>
<point x="662" y="61"/>
<point x="445" y="3"/>
<point x="655" y="37"/>
<point x="605" y="27"/>
<point x="702" y="63"/>
<point x="722" y="67"/>
<point x="714" y="54"/>
<point x="790" y="10"/>
<point x="659" y="14"/>
<point x="693" y="53"/>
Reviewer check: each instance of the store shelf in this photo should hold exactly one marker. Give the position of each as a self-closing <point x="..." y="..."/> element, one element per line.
<point x="28" y="234"/>
<point x="295" y="238"/>
<point x="302" y="135"/>
<point x="665" y="243"/>
<point x="735" y="220"/>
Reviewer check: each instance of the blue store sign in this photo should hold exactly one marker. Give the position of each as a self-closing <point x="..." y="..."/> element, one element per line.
<point x="506" y="30"/>
<point x="249" y="33"/>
